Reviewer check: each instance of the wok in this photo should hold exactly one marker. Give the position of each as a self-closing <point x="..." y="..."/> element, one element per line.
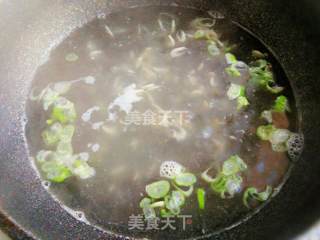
<point x="31" y="28"/>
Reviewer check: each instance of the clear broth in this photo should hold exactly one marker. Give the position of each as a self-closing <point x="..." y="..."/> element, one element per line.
<point x="127" y="158"/>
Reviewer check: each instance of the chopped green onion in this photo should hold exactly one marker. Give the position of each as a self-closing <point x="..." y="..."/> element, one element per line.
<point x="207" y="34"/>
<point x="231" y="59"/>
<point x="186" y="193"/>
<point x="164" y="213"/>
<point x="67" y="133"/>
<point x="279" y="140"/>
<point x="159" y="204"/>
<point x="277" y="137"/>
<point x="43" y="155"/>
<point x="185" y="179"/>
<point x="242" y="102"/>
<point x="158" y="189"/>
<point x="213" y="49"/>
<point x="82" y="169"/>
<point x="170" y="203"/>
<point x="52" y="135"/>
<point x="274" y="89"/>
<point x="145" y="202"/>
<point x="252" y="193"/>
<point x="235" y="91"/>
<point x="49" y="98"/>
<point x="261" y="64"/>
<point x="281" y="104"/>
<point x="201" y="196"/>
<point x="230" y="47"/>
<point x="212" y="36"/>
<point x="233" y="185"/>
<point x="233" y="166"/>
<point x="265" y="132"/>
<point x="267" y="115"/>
<point x="205" y="176"/>
<point x="148" y="211"/>
<point x="258" y="55"/>
<point x="177" y="198"/>
<point x="57" y="133"/>
<point x="228" y="180"/>
<point x="212" y="40"/>
<point x="280" y="136"/>
<point x="200" y="34"/>
<point x="61" y="164"/>
<point x="219" y="184"/>
<point x="64" y="148"/>
<point x="262" y="76"/>
<point x="174" y="202"/>
<point x="56" y="172"/>
<point x="233" y="71"/>
<point x="227" y="184"/>
<point x="203" y="23"/>
<point x="63" y="111"/>
<point x="238" y="92"/>
<point x="174" y="210"/>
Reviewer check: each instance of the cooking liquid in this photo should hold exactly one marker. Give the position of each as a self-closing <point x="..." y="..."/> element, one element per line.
<point x="125" y="53"/>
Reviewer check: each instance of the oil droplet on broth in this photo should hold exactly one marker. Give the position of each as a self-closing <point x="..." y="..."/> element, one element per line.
<point x="144" y="73"/>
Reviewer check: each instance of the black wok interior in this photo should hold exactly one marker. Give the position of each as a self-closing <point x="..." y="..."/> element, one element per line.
<point x="30" y="29"/>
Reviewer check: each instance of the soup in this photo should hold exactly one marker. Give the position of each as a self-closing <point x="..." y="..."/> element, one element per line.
<point x="158" y="114"/>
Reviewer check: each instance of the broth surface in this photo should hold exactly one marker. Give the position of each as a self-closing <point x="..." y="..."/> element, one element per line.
<point x="127" y="135"/>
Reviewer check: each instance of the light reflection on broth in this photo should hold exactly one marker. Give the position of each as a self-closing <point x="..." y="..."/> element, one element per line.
<point x="128" y="57"/>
